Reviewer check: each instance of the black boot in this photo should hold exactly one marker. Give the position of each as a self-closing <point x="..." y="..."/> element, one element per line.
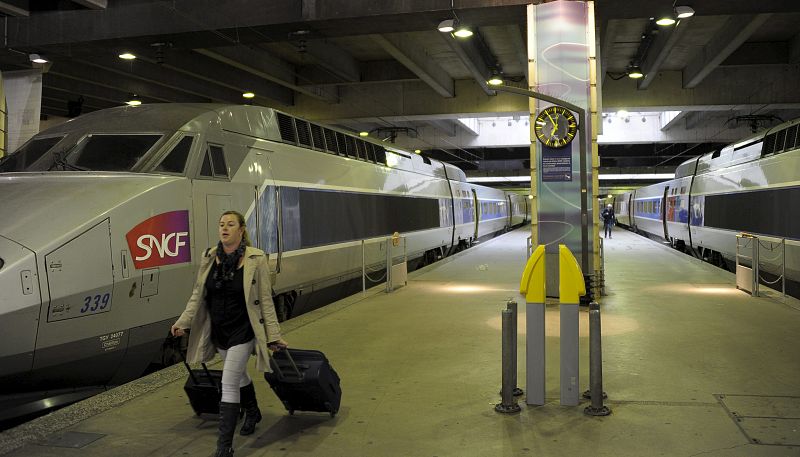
<point x="252" y="413"/>
<point x="228" y="415"/>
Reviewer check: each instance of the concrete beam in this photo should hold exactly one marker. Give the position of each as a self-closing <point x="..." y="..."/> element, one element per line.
<point x="722" y="89"/>
<point x="735" y="32"/>
<point x="608" y="32"/>
<point x="372" y="72"/>
<point x="762" y="53"/>
<point x="673" y="120"/>
<point x="446" y="127"/>
<point x="418" y="61"/>
<point x="15" y="8"/>
<point x="334" y="60"/>
<point x="127" y="84"/>
<point x="663" y="44"/>
<point x="93" y="4"/>
<point x="154" y="73"/>
<point x="408" y="100"/>
<point x="265" y="66"/>
<point x="468" y="52"/>
<point x="80" y="87"/>
<point x="213" y="73"/>
<point x="794" y="49"/>
<point x="518" y="43"/>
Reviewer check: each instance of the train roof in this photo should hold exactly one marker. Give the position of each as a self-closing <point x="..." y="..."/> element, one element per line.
<point x="778" y="139"/>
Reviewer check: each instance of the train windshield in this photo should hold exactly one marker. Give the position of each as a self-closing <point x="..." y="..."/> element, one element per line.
<point x="95" y="152"/>
<point x="25" y="157"/>
<point x="101" y="152"/>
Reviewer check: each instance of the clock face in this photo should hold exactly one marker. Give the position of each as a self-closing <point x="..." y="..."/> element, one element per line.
<point x="556" y="126"/>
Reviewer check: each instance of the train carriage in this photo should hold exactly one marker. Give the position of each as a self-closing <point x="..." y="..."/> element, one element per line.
<point x="106" y="216"/>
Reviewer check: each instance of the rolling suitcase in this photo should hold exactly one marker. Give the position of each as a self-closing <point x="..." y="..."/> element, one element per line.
<point x="204" y="389"/>
<point x="304" y="380"/>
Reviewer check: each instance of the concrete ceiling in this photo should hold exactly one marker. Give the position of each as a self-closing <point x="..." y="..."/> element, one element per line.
<point x="383" y="66"/>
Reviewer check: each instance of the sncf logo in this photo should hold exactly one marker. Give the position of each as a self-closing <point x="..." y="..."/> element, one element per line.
<point x="161" y="240"/>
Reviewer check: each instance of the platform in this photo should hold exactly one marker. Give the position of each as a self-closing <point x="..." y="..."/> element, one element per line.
<point x="692" y="367"/>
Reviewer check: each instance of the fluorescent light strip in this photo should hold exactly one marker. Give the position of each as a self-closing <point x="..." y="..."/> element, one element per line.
<point x="606" y="177"/>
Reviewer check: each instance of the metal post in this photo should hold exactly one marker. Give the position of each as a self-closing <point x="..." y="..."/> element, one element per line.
<point x="512" y="306"/>
<point x="755" y="266"/>
<point x="363" y="270"/>
<point x="595" y="365"/>
<point x="602" y="268"/>
<point x="508" y="403"/>
<point x="783" y="267"/>
<point x="388" y="265"/>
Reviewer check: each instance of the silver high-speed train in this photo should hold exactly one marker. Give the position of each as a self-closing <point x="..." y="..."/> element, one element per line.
<point x="750" y="186"/>
<point x="104" y="219"/>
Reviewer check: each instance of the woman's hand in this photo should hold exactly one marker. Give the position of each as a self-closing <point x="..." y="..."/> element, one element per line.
<point x="277" y="345"/>
<point x="177" y="331"/>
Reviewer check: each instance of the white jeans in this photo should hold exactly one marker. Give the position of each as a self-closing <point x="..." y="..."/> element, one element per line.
<point x="234" y="370"/>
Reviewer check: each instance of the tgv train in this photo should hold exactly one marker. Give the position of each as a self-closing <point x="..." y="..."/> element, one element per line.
<point x="105" y="218"/>
<point x="751" y="186"/>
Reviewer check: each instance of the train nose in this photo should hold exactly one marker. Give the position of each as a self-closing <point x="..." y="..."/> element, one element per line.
<point x="20" y="303"/>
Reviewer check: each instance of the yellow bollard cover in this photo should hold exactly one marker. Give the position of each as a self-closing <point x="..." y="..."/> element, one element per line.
<point x="570" y="285"/>
<point x="532" y="284"/>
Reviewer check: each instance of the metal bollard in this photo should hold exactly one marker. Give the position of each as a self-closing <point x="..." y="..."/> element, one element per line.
<point x="508" y="403"/>
<point x="595" y="365"/>
<point x="512" y="306"/>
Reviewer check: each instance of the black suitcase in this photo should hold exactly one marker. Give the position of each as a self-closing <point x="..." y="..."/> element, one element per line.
<point x="204" y="389"/>
<point x="304" y="380"/>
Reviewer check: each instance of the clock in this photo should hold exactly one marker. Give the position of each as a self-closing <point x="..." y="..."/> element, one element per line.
<point x="555" y="126"/>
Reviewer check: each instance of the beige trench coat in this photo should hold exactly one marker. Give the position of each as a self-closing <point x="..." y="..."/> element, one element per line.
<point x="260" y="309"/>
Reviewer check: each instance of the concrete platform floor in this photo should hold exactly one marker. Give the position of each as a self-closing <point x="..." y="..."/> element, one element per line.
<point x="420" y="367"/>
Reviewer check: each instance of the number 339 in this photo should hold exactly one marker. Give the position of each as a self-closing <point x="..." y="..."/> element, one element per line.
<point x="95" y="303"/>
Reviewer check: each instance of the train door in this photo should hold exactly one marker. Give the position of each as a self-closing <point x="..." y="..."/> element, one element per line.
<point x="664" y="212"/>
<point x="213" y="193"/>
<point x="265" y="218"/>
<point x="476" y="213"/>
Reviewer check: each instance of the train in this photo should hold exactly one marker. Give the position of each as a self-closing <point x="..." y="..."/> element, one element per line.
<point x="751" y="186"/>
<point x="106" y="216"/>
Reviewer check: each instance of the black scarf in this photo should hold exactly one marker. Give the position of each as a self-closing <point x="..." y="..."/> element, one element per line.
<point x="228" y="263"/>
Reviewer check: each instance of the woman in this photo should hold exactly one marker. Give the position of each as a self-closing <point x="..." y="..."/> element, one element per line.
<point x="231" y="312"/>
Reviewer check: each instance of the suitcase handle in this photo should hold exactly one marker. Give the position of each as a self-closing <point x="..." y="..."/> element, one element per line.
<point x="291" y="360"/>
<point x="205" y="368"/>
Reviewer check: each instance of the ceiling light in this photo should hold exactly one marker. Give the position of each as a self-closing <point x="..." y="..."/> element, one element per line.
<point x="127" y="56"/>
<point x="665" y="20"/>
<point x="417" y="151"/>
<point x="133" y="102"/>
<point x="447" y="25"/>
<point x="683" y="12"/>
<point x="463" y="32"/>
<point x="248" y="95"/>
<point x="495" y="80"/>
<point x="363" y="133"/>
<point x="622" y="113"/>
<point x="36" y="58"/>
<point x="634" y="72"/>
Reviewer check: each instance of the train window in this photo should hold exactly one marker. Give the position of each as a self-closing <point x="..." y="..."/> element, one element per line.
<point x="286" y="127"/>
<point x="175" y="161"/>
<point x="341" y="139"/>
<point x="768" y="147"/>
<point x="791" y="138"/>
<point x="303" y="134"/>
<point x="218" y="161"/>
<point x="110" y="152"/>
<point x="29" y="153"/>
<point x="780" y="139"/>
<point x="380" y="154"/>
<point x="317" y="136"/>
<point x="205" y="170"/>
<point x="330" y="141"/>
